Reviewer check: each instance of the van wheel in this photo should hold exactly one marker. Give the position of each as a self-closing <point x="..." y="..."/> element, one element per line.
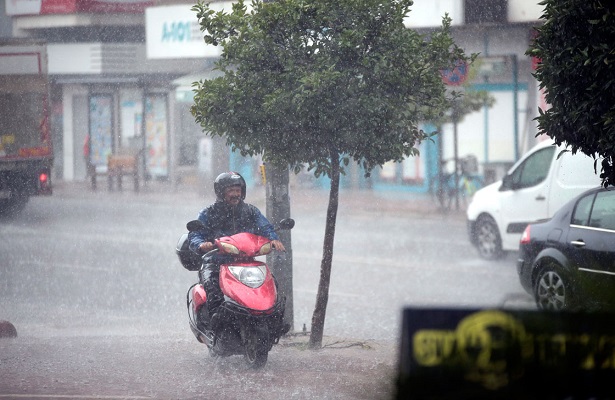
<point x="488" y="240"/>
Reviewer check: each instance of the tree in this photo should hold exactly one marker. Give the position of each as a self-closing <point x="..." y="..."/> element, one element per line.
<point x="321" y="83"/>
<point x="576" y="69"/>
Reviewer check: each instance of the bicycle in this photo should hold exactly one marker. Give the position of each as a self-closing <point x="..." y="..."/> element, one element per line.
<point x="445" y="190"/>
<point x="470" y="184"/>
<point x="469" y="180"/>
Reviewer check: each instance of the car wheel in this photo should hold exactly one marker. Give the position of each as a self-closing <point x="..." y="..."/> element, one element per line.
<point x="553" y="290"/>
<point x="488" y="241"/>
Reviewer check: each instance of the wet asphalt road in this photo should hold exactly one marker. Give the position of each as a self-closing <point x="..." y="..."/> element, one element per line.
<point x="97" y="295"/>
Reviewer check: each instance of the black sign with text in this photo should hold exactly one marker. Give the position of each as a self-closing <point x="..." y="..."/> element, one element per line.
<point x="506" y="354"/>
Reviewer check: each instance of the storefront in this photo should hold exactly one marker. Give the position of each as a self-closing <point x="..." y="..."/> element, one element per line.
<point x="108" y="95"/>
<point x="109" y="109"/>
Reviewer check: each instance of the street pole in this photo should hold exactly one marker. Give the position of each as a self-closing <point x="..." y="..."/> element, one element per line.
<point x="278" y="208"/>
<point x="515" y="76"/>
<point x="456" y="152"/>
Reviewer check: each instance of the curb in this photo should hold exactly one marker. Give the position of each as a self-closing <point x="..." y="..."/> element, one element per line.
<point x="358" y="200"/>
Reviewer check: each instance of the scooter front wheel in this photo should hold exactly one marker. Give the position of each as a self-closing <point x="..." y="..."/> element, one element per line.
<point x="256" y="346"/>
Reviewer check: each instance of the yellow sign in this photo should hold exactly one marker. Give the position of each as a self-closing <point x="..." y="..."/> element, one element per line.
<point x="492" y="348"/>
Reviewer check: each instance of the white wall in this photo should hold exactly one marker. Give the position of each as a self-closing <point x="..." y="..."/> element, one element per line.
<point x="72" y="147"/>
<point x="524" y="10"/>
<point x="74" y="58"/>
<point x="496" y="128"/>
<point x="429" y="13"/>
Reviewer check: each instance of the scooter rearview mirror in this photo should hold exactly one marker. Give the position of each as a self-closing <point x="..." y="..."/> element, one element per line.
<point x="286" y="223"/>
<point x="194" y="225"/>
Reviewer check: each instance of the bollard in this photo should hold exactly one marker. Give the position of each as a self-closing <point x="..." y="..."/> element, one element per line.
<point x="7" y="330"/>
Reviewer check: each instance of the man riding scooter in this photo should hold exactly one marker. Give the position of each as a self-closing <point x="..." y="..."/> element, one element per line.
<point x="227" y="216"/>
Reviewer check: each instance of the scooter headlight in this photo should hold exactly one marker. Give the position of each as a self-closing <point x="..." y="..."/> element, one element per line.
<point x="229" y="248"/>
<point x="266" y="249"/>
<point x="250" y="276"/>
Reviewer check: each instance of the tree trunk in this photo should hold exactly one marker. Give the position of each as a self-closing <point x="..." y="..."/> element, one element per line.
<point x="320" y="310"/>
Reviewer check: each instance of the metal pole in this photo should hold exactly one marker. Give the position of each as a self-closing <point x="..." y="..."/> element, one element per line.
<point x="456" y="150"/>
<point x="486" y="109"/>
<point x="278" y="208"/>
<point x="515" y="72"/>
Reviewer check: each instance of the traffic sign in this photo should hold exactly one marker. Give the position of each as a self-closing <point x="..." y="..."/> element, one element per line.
<point x="457" y="75"/>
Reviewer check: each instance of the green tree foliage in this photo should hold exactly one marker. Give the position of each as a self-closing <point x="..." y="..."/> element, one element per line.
<point x="577" y="71"/>
<point x="321" y="83"/>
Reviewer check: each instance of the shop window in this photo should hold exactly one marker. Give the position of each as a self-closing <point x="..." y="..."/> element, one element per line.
<point x="485" y="11"/>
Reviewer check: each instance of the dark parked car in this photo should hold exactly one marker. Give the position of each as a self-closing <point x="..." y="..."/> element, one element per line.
<point x="568" y="261"/>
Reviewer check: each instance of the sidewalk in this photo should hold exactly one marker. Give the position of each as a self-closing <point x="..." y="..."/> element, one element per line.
<point x="350" y="200"/>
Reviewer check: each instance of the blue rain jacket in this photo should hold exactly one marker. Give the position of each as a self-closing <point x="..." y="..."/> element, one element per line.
<point x="221" y="219"/>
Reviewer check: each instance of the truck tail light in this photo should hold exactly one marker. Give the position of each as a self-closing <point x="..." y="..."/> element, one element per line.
<point x="44" y="183"/>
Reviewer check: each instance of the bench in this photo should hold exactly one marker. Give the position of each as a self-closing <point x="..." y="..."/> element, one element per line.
<point x="124" y="163"/>
<point x="119" y="166"/>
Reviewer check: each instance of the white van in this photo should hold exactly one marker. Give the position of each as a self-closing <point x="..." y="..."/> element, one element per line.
<point x="533" y="189"/>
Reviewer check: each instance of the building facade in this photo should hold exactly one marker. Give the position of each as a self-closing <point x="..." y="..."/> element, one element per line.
<point x="122" y="74"/>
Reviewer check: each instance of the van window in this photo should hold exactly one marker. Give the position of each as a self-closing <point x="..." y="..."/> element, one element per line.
<point x="577" y="170"/>
<point x="534" y="169"/>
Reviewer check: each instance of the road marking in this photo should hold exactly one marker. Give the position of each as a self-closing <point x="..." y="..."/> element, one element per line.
<point x="122" y="236"/>
<point x="331" y="293"/>
<point x="347" y="259"/>
<point x="68" y="396"/>
<point x="45" y="264"/>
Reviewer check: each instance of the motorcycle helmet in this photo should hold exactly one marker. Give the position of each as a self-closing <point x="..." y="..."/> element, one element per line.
<point x="228" y="179"/>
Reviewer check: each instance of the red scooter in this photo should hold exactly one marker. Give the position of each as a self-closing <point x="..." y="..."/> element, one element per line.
<point x="250" y="319"/>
